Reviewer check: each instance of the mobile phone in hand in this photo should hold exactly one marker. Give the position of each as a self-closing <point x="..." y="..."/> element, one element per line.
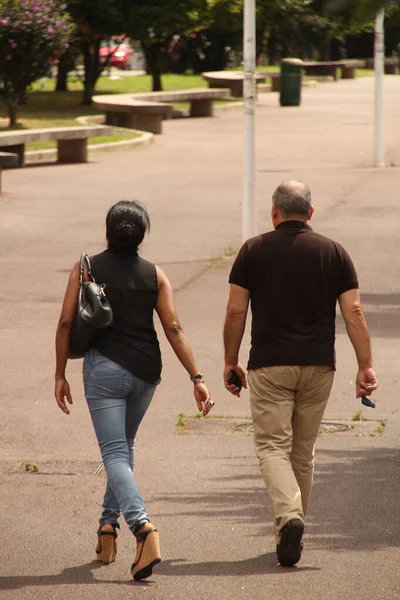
<point x="367" y="402"/>
<point x="234" y="379"/>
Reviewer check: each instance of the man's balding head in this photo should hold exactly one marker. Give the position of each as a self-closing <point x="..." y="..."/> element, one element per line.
<point x="292" y="199"/>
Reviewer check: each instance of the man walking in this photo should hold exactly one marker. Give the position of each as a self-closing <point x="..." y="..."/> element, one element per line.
<point x="293" y="277"/>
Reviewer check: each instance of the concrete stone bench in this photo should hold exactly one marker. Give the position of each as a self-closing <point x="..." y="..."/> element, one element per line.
<point x="147" y="111"/>
<point x="7" y="161"/>
<point x="391" y="65"/>
<point x="230" y="79"/>
<point x="329" y="68"/>
<point x="349" y="67"/>
<point x="275" y="78"/>
<point x="324" y="69"/>
<point x="71" y="141"/>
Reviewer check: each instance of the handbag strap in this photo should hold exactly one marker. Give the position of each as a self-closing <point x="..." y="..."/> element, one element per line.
<point x="85" y="260"/>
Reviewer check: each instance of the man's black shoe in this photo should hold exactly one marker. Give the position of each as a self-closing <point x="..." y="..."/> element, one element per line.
<point x="290" y="546"/>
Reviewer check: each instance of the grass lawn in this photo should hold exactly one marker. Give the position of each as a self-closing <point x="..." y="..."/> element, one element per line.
<point x="106" y="139"/>
<point x="126" y="84"/>
<point x="46" y="108"/>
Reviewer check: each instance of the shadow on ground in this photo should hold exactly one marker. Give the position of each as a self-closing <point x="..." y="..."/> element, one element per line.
<point x="75" y="575"/>
<point x="266" y="564"/>
<point x="353" y="507"/>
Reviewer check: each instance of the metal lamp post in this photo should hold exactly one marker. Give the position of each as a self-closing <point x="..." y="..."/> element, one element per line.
<point x="249" y="219"/>
<point x="379" y="65"/>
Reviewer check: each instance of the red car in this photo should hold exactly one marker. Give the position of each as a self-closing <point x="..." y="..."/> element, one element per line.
<point x="122" y="54"/>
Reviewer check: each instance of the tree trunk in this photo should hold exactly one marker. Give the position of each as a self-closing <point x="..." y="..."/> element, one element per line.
<point x="12" y="113"/>
<point x="326" y="49"/>
<point x="155" y="66"/>
<point x="62" y="74"/>
<point x="93" y="69"/>
<point x="88" y="84"/>
<point x="272" y="48"/>
<point x="145" y="49"/>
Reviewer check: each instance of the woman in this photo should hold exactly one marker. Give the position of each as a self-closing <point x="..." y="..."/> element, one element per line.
<point x="122" y="371"/>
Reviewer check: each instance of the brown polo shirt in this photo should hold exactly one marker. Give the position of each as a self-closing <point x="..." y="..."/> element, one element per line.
<point x="295" y="277"/>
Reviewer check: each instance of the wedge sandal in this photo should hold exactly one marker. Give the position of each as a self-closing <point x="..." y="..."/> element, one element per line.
<point x="149" y="553"/>
<point x="106" y="549"/>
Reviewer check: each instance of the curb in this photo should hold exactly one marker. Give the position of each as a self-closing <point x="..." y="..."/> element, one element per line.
<point x="145" y="138"/>
<point x="50" y="155"/>
<point x="228" y="106"/>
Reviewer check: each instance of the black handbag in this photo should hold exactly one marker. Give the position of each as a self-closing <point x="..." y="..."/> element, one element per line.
<point x="93" y="313"/>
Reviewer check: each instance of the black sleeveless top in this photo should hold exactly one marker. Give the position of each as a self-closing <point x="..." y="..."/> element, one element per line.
<point x="132" y="290"/>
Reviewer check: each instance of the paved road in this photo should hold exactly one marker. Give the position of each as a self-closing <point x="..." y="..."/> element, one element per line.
<point x="201" y="485"/>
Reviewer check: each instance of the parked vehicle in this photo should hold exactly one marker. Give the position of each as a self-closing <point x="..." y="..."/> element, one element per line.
<point x="122" y="54"/>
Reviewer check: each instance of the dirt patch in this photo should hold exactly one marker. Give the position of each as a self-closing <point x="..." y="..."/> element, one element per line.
<point x="242" y="426"/>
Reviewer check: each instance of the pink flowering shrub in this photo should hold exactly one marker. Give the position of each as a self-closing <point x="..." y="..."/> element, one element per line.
<point x="32" y="33"/>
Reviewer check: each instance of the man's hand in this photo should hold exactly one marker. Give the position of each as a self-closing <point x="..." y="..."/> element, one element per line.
<point x="366" y="382"/>
<point x="61" y="392"/>
<point x="203" y="398"/>
<point x="239" y="371"/>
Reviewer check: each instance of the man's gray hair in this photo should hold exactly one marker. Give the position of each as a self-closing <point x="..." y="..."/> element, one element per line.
<point x="292" y="199"/>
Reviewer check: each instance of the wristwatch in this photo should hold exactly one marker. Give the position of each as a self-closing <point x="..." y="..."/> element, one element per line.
<point x="197" y="378"/>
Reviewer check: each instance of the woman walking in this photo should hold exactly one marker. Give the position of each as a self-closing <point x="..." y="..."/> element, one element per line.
<point x="122" y="370"/>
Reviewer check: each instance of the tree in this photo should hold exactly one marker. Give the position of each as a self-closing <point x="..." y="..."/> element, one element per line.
<point x="224" y="33"/>
<point x="210" y="48"/>
<point x="67" y="62"/>
<point x="32" y="32"/>
<point x="156" y="22"/>
<point x="281" y="24"/>
<point x="353" y="19"/>
<point x="363" y="9"/>
<point x="97" y="20"/>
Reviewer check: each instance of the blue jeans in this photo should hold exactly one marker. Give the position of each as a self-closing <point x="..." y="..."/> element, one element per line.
<point x="117" y="402"/>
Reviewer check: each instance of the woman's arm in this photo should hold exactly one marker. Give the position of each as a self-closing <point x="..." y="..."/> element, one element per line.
<point x="62" y="390"/>
<point x="166" y="310"/>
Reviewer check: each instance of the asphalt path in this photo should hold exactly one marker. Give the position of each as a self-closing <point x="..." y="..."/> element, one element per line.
<point x="201" y="484"/>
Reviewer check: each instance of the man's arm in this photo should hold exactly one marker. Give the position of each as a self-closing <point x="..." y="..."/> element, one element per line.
<point x="357" y="330"/>
<point x="235" y="324"/>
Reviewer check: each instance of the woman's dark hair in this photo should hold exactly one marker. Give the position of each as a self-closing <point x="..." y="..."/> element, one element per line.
<point x="127" y="223"/>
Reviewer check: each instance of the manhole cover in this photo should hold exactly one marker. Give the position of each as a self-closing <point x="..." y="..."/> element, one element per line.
<point x="324" y="427"/>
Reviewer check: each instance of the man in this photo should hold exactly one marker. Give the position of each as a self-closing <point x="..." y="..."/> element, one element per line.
<point x="293" y="278"/>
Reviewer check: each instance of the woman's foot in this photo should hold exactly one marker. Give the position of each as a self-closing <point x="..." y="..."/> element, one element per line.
<point x="106" y="549"/>
<point x="148" y="552"/>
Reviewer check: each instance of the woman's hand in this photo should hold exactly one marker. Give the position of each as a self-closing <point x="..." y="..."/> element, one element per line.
<point x="203" y="398"/>
<point x="61" y="392"/>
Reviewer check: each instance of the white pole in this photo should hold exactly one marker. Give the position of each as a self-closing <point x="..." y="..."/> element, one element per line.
<point x="249" y="222"/>
<point x="379" y="62"/>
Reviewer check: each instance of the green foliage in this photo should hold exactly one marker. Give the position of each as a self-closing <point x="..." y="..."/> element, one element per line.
<point x="95" y="21"/>
<point x="99" y="19"/>
<point x="358" y="416"/>
<point x="32" y="33"/>
<point x="361" y="9"/>
<point x="226" y="15"/>
<point x="180" y="425"/>
<point x="157" y="21"/>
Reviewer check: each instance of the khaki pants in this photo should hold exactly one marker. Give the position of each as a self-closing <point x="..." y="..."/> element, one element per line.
<point x="287" y="405"/>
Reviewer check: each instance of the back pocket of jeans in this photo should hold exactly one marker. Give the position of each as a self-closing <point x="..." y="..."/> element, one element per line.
<point x="107" y="379"/>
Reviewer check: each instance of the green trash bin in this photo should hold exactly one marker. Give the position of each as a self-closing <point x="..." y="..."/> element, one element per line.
<point x="290" y="85"/>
